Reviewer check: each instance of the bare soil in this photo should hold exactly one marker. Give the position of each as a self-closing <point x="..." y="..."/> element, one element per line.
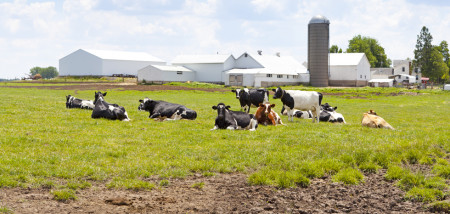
<point x="223" y="193"/>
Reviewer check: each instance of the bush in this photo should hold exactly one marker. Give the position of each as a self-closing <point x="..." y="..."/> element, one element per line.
<point x="348" y="176"/>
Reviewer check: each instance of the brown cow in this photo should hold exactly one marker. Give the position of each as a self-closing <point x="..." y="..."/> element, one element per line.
<point x="266" y="116"/>
<point x="371" y="119"/>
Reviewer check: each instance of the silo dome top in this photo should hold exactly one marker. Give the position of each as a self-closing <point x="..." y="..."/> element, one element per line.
<point x="319" y="19"/>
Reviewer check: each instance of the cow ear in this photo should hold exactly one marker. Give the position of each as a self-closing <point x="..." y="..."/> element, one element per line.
<point x="273" y="105"/>
<point x="261" y="105"/>
<point x="335" y="107"/>
<point x="274" y="90"/>
<point x="233" y="91"/>
<point x="228" y="107"/>
<point x="104" y="94"/>
<point x="141" y="101"/>
<point x="214" y="107"/>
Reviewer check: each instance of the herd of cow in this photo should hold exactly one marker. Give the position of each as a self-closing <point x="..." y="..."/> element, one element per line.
<point x="296" y="103"/>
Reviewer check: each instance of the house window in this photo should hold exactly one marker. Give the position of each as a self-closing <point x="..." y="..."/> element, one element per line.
<point x="407" y="78"/>
<point x="268" y="75"/>
<point x="360" y="76"/>
<point x="365" y="77"/>
<point x="403" y="69"/>
<point x="287" y="76"/>
<point x="179" y="72"/>
<point x="295" y="77"/>
<point x="392" y="71"/>
<point x="279" y="76"/>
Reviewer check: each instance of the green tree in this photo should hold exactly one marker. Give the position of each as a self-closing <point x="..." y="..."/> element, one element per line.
<point x="374" y="52"/>
<point x="422" y="53"/>
<point x="335" y="49"/>
<point x="443" y="48"/>
<point x="35" y="70"/>
<point x="46" y="73"/>
<point x="438" y="69"/>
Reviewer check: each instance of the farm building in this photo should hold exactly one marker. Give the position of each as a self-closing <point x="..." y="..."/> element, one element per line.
<point x="165" y="73"/>
<point x="403" y="78"/>
<point x="349" y="69"/>
<point x="208" y="68"/>
<point x="266" y="70"/>
<point x="381" y="82"/>
<point x="85" y="62"/>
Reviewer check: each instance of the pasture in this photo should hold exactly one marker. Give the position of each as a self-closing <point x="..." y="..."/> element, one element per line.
<point x="45" y="145"/>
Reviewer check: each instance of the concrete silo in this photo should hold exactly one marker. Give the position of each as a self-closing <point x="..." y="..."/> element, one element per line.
<point x="318" y="49"/>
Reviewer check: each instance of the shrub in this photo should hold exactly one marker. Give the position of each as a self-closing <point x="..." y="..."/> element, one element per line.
<point x="348" y="176"/>
<point x="64" y="195"/>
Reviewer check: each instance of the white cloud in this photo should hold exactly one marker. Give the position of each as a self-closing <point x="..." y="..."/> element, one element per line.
<point x="201" y="8"/>
<point x="79" y="5"/>
<point x="262" y="5"/>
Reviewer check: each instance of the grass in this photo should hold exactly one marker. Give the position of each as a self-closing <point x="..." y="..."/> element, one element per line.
<point x="41" y="141"/>
<point x="64" y="195"/>
<point x="5" y="210"/>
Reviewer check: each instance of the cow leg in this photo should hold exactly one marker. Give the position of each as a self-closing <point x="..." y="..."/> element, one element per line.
<point x="214" y="128"/>
<point x="253" y="124"/>
<point x="155" y="115"/>
<point x="290" y="114"/>
<point x="231" y="127"/>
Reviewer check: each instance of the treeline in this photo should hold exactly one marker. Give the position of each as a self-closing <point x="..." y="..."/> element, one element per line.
<point x="45" y="73"/>
<point x="433" y="60"/>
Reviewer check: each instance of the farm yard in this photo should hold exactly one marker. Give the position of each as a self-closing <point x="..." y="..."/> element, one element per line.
<point x="54" y="159"/>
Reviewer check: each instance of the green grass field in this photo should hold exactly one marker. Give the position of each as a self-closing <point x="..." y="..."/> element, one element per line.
<point x="45" y="145"/>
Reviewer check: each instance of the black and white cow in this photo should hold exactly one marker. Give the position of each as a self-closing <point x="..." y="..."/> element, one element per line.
<point x="329" y="114"/>
<point x="161" y="110"/>
<point x="72" y="102"/>
<point x="251" y="97"/>
<point x="106" y="110"/>
<point x="301" y="100"/>
<point x="227" y="119"/>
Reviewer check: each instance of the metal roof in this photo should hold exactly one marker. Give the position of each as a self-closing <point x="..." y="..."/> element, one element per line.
<point x="123" y="55"/>
<point x="381" y="80"/>
<point x="319" y="19"/>
<point x="337" y="59"/>
<point x="278" y="64"/>
<point x="171" y="68"/>
<point x="197" y="59"/>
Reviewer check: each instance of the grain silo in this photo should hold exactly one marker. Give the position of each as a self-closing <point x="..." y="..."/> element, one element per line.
<point x="318" y="49"/>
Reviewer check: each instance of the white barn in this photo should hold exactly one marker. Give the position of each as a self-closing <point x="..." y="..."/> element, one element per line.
<point x="165" y="73"/>
<point x="208" y="68"/>
<point x="266" y="70"/>
<point x="85" y="62"/>
<point x="349" y="69"/>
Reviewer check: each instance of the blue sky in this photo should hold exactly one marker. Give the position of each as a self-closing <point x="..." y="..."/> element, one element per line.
<point x="40" y="32"/>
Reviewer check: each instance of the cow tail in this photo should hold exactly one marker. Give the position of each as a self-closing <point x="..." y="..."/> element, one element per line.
<point x="320" y="98"/>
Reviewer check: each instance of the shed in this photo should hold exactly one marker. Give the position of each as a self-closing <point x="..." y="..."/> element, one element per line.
<point x="85" y="62"/>
<point x="381" y="82"/>
<point x="208" y="68"/>
<point x="266" y="70"/>
<point x="165" y="73"/>
<point x="403" y="78"/>
<point x="349" y="69"/>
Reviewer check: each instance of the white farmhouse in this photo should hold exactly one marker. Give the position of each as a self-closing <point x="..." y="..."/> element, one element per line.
<point x="165" y="73"/>
<point x="349" y="69"/>
<point x="266" y="70"/>
<point x="208" y="68"/>
<point x="85" y="62"/>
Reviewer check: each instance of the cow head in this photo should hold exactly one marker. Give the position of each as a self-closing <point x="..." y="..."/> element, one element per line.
<point x="69" y="99"/>
<point x="278" y="93"/>
<point x="371" y="112"/>
<point x="221" y="109"/>
<point x="99" y="96"/>
<point x="237" y="90"/>
<point x="327" y="107"/>
<point x="266" y="107"/>
<point x="298" y="114"/>
<point x="145" y="104"/>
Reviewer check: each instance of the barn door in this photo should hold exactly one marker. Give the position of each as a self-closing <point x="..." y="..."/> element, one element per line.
<point x="236" y="80"/>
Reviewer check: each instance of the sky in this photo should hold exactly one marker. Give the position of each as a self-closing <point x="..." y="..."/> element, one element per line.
<point x="40" y="32"/>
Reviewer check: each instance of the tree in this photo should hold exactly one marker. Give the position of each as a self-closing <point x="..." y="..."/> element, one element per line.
<point x="335" y="49"/>
<point x="438" y="69"/>
<point x="374" y="52"/>
<point x="423" y="50"/>
<point x="46" y="73"/>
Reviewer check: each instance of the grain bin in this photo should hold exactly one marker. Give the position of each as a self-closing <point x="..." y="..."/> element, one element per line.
<point x="318" y="49"/>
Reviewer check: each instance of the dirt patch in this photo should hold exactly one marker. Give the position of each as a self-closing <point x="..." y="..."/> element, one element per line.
<point x="224" y="193"/>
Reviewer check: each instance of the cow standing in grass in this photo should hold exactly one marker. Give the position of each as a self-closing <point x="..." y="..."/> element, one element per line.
<point x="227" y="119"/>
<point x="106" y="110"/>
<point x="251" y="97"/>
<point x="301" y="100"/>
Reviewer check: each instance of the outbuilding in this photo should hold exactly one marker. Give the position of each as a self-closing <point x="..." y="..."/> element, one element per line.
<point x="85" y="62"/>
<point x="208" y="68"/>
<point x="161" y="74"/>
<point x="381" y="82"/>
<point x="349" y="69"/>
<point x="259" y="70"/>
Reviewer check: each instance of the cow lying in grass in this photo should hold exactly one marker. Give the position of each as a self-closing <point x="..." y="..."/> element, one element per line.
<point x="327" y="114"/>
<point x="106" y="110"/>
<point x="162" y="110"/>
<point x="266" y="115"/>
<point x="227" y="119"/>
<point x="372" y="120"/>
<point x="72" y="102"/>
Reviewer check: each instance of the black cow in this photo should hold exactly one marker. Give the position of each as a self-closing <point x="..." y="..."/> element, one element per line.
<point x="227" y="119"/>
<point x="161" y="110"/>
<point x="300" y="100"/>
<point x="251" y="97"/>
<point x="72" y="102"/>
<point x="106" y="110"/>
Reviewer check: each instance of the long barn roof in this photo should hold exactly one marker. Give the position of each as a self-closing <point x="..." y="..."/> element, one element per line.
<point x="123" y="55"/>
